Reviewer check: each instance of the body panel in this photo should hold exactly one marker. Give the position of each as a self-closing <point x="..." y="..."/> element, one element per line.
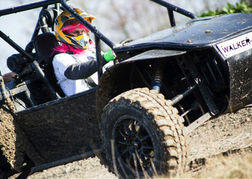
<point x="240" y="69"/>
<point x="198" y="33"/>
<point x="64" y="128"/>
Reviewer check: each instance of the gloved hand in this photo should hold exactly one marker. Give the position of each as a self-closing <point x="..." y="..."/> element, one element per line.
<point x="109" y="55"/>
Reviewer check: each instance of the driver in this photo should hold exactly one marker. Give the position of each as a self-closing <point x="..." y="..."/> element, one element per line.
<point x="75" y="58"/>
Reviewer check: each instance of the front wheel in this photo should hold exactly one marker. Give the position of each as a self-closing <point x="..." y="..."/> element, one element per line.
<point x="142" y="135"/>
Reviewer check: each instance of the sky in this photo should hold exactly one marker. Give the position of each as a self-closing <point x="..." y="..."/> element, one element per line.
<point x="20" y="26"/>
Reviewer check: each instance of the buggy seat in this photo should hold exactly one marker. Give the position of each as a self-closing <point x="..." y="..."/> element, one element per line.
<point x="44" y="45"/>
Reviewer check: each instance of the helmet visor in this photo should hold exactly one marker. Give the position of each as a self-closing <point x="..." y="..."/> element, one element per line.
<point x="80" y="41"/>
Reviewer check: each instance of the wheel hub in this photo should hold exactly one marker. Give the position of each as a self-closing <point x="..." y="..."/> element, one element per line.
<point x="137" y="144"/>
<point x="134" y="144"/>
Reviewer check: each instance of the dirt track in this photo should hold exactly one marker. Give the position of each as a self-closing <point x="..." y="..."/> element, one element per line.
<point x="228" y="132"/>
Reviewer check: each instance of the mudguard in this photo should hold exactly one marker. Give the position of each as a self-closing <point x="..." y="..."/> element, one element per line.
<point x="120" y="72"/>
<point x="152" y="54"/>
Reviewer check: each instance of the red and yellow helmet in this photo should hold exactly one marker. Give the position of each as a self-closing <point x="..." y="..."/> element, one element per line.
<point x="80" y="41"/>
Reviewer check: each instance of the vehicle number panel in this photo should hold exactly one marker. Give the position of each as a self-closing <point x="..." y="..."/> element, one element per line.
<point x="235" y="46"/>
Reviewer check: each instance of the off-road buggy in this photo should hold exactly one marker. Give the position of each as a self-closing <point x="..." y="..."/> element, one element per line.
<point x="159" y="89"/>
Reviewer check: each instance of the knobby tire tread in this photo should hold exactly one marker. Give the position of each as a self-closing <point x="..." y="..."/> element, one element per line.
<point x="166" y="121"/>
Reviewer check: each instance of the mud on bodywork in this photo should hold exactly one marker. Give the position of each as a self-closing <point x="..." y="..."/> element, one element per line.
<point x="49" y="132"/>
<point x="14" y="143"/>
<point x="62" y="128"/>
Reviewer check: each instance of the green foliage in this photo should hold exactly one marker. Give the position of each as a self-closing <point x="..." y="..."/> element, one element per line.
<point x="241" y="7"/>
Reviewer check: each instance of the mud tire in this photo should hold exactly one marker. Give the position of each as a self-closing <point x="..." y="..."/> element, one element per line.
<point x="140" y="124"/>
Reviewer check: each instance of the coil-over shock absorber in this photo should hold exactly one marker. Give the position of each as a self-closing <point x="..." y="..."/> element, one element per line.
<point x="158" y="74"/>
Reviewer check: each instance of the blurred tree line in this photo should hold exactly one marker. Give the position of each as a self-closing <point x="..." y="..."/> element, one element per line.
<point x="241" y="7"/>
<point x="134" y="19"/>
<point x="249" y="2"/>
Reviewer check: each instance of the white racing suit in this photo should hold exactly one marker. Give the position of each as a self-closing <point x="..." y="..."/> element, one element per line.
<point x="71" y="70"/>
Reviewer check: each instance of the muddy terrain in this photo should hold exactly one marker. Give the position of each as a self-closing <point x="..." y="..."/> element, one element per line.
<point x="223" y="134"/>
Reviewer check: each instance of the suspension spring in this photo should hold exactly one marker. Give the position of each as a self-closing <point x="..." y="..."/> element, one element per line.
<point x="158" y="74"/>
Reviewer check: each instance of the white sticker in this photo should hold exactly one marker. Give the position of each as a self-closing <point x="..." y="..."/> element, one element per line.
<point x="237" y="45"/>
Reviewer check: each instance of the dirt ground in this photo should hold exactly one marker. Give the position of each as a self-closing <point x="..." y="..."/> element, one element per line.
<point x="225" y="133"/>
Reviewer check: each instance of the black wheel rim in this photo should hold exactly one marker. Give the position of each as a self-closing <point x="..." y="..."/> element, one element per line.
<point x="134" y="144"/>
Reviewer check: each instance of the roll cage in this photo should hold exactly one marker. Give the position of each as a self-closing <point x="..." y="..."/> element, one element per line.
<point x="45" y="22"/>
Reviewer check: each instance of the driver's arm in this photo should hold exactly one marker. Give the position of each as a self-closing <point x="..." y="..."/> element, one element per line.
<point x="83" y="70"/>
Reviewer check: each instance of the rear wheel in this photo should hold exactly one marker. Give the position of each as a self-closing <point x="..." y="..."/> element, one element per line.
<point x="143" y="135"/>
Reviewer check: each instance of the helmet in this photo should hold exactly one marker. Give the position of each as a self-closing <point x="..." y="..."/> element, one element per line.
<point x="77" y="41"/>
